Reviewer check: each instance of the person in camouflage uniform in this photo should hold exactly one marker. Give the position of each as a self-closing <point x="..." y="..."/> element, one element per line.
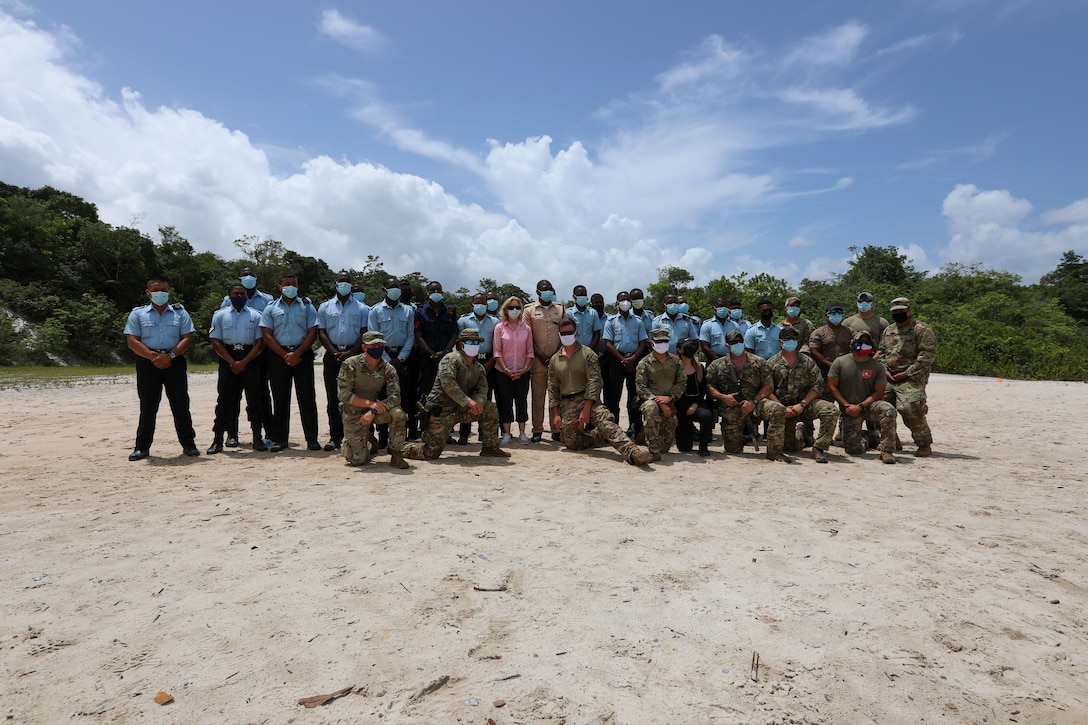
<point x="358" y="385"/>
<point x="907" y="349"/>
<point x="793" y="319"/>
<point x="574" y="394"/>
<point x="659" y="381"/>
<point x="857" y="382"/>
<point x="741" y="385"/>
<point x="797" y="384"/>
<point x="459" y="395"/>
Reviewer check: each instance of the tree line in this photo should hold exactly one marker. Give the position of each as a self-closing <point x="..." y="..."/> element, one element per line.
<point x="68" y="281"/>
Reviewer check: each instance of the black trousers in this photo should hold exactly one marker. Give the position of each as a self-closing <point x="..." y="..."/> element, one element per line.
<point x="408" y="377"/>
<point x="230" y="387"/>
<point x="330" y="369"/>
<point x="685" y="426"/>
<point x="150" y="382"/>
<point x="263" y="400"/>
<point x="618" y="377"/>
<point x="511" y="394"/>
<point x="281" y="377"/>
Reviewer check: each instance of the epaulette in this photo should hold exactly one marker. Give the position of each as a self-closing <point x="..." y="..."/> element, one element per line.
<point x="306" y="301"/>
<point x="178" y="306"/>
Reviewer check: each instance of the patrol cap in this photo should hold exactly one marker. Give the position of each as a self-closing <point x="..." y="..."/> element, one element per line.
<point x="470" y="334"/>
<point x="835" y="306"/>
<point x="788" y="331"/>
<point x="793" y="300"/>
<point x="900" y="303"/>
<point x="862" y="333"/>
<point x="733" y="336"/>
<point x="659" y="334"/>
<point x="865" y="297"/>
<point x="373" y="337"/>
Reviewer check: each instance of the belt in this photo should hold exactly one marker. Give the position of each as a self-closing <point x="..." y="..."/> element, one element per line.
<point x="579" y="394"/>
<point x="164" y="352"/>
<point x="343" y="348"/>
<point x="393" y="351"/>
<point x="236" y="348"/>
<point x="289" y="348"/>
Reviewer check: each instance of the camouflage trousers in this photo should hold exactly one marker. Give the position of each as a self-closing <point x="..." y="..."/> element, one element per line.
<point x="880" y="414"/>
<point x="604" y="430"/>
<point x="828" y="415"/>
<point x="909" y="400"/>
<point x="355" y="447"/>
<point x="440" y="426"/>
<point x="660" y="431"/>
<point x="733" y="426"/>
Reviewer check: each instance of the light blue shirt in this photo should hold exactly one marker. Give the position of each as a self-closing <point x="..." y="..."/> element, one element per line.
<point x="486" y="328"/>
<point x="714" y="331"/>
<point x="679" y="327"/>
<point x="159" y="331"/>
<point x="397" y="325"/>
<point x="290" y="323"/>
<point x="236" y="327"/>
<point x="258" y="301"/>
<point x="343" y="322"/>
<point x="625" y="334"/>
<point x="647" y="318"/>
<point x="763" y="341"/>
<point x="588" y="322"/>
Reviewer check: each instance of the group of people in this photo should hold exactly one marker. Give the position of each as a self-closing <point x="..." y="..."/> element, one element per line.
<point x="412" y="379"/>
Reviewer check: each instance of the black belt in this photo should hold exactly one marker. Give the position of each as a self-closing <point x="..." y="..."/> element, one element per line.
<point x="343" y="348"/>
<point x="290" y="348"/>
<point x="393" y="351"/>
<point x="236" y="348"/>
<point x="164" y="352"/>
<point x="579" y="394"/>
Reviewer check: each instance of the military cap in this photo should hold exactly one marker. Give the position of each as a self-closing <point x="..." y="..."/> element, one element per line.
<point x="793" y="300"/>
<point x="863" y="333"/>
<point x="659" y="334"/>
<point x="788" y="331"/>
<point x="834" y="306"/>
<point x="865" y="297"/>
<point x="900" y="303"/>
<point x="733" y="336"/>
<point x="373" y="337"/>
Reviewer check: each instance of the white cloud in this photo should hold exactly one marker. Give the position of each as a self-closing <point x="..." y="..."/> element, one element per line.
<point x="1075" y="213"/>
<point x="841" y="109"/>
<point x="799" y="242"/>
<point x="972" y="153"/>
<point x="836" y="47"/>
<point x="916" y="41"/>
<point x="715" y="60"/>
<point x="347" y="32"/>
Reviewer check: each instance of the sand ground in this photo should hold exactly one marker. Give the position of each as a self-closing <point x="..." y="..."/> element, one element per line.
<point x="950" y="589"/>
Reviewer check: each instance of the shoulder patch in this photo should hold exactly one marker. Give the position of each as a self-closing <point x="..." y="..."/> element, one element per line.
<point x="178" y="306"/>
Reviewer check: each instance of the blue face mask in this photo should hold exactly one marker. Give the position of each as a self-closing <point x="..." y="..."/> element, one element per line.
<point x="865" y="306"/>
<point x="736" y="314"/>
<point x="492" y="305"/>
<point x="547" y="296"/>
<point x="479" y="310"/>
<point x="581" y="300"/>
<point x="375" y="352"/>
<point x="737" y="348"/>
<point x="343" y="288"/>
<point x="436" y="297"/>
<point x="721" y="312"/>
<point x="835" y="318"/>
<point x="160" y="298"/>
<point x="358" y="296"/>
<point x="289" y="291"/>
<point x="684" y="308"/>
<point x="793" y="311"/>
<point x="393" y="294"/>
<point x="673" y="309"/>
<point x="789" y="345"/>
<point x="239" y="301"/>
<point x="249" y="281"/>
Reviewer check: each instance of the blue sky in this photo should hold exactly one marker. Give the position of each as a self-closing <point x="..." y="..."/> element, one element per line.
<point x="583" y="142"/>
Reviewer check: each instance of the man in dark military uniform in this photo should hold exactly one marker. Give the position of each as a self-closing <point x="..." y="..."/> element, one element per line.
<point x="257" y="300"/>
<point x="436" y="334"/>
<point x="236" y="339"/>
<point x="659" y="381"/>
<point x="908" y="349"/>
<point x="160" y="334"/>
<point x="359" y="383"/>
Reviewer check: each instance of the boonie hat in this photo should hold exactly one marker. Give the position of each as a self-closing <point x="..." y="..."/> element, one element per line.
<point x="470" y="334"/>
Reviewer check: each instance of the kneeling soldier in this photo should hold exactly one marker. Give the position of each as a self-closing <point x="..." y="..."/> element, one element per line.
<point x="659" y="381"/>
<point x="797" y="384"/>
<point x="858" y="382"/>
<point x="741" y="384"/>
<point x="358" y="385"/>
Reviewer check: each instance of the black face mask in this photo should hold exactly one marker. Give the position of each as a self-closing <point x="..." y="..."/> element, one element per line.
<point x="900" y="316"/>
<point x="690" y="351"/>
<point x="766" y="315"/>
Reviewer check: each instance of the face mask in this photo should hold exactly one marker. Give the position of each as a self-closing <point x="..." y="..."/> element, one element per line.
<point x="661" y="347"/>
<point x="673" y="309"/>
<point x="736" y="314"/>
<point x="766" y="315"/>
<point x="581" y="300"/>
<point x="862" y="349"/>
<point x="865" y="306"/>
<point x="513" y="312"/>
<point x="375" y="352"/>
<point x="624" y="305"/>
<point x="289" y="291"/>
<point x="249" y="281"/>
<point x="900" y="316"/>
<point x="721" y="312"/>
<point x="689" y="351"/>
<point x="392" y="294"/>
<point x="479" y="310"/>
<point x="358" y="296"/>
<point x="789" y="345"/>
<point x="793" y="311"/>
<point x="492" y="305"/>
<point x="343" y="288"/>
<point x="472" y="349"/>
<point x="737" y="348"/>
<point x="436" y="297"/>
<point x="160" y="298"/>
<point x="638" y="304"/>
<point x="239" y="301"/>
<point x="835" y="318"/>
<point x="684" y="308"/>
<point x="546" y="295"/>
<point x="567" y="340"/>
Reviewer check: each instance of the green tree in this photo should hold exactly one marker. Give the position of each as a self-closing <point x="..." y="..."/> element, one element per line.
<point x="1069" y="281"/>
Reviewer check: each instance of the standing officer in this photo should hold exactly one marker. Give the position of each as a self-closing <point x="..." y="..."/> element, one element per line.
<point x="659" y="380"/>
<point x="396" y="321"/>
<point x="258" y="300"/>
<point x="436" y="334"/>
<point x="361" y="380"/>
<point x="236" y="339"/>
<point x="484" y="322"/>
<point x="289" y="327"/>
<point x="728" y="317"/>
<point x="625" y="337"/>
<point x="676" y="322"/>
<point x="638" y="309"/>
<point x="543" y="318"/>
<point x="341" y="321"/>
<point x="590" y="324"/>
<point x="908" y="349"/>
<point x="793" y="319"/>
<point x="159" y="334"/>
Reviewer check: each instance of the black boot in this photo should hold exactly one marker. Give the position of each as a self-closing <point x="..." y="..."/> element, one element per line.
<point x="216" y="446"/>
<point x="258" y="441"/>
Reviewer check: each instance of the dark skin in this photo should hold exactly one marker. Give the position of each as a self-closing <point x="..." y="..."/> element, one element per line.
<point x="765" y="308"/>
<point x="248" y="272"/>
<point x="711" y="356"/>
<point x="291" y="358"/>
<point x="596" y="301"/>
<point x="158" y="359"/>
<point x="730" y="400"/>
<point x="629" y="361"/>
<point x="569" y="328"/>
<point x="855" y="410"/>
<point x="816" y="354"/>
<point x="393" y="283"/>
<point x="237" y="367"/>
<point x="330" y="348"/>
<point x="581" y="290"/>
<point x="435" y="355"/>
<point x="543" y="286"/>
<point x="481" y="299"/>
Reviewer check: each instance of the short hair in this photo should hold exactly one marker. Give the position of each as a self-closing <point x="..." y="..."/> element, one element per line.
<point x="567" y="322"/>
<point x="157" y="281"/>
<point x="288" y="275"/>
<point x="236" y="284"/>
<point x="764" y="301"/>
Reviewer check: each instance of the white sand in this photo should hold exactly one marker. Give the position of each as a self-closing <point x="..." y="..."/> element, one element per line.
<point x="945" y="589"/>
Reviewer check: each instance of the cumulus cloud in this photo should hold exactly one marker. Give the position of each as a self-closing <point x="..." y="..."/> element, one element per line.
<point x="348" y="32"/>
<point x="1075" y="213"/>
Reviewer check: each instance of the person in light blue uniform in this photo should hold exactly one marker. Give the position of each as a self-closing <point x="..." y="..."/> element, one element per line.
<point x="289" y="329"/>
<point x="258" y="300"/>
<point x="396" y="321"/>
<point x="341" y="322"/>
<point x="589" y="324"/>
<point x="160" y="334"/>
<point x="626" y="341"/>
<point x="762" y="338"/>
<point x="484" y="323"/>
<point x="236" y="339"/>
<point x="255" y="298"/>
<point x="727" y="317"/>
<point x="685" y="309"/>
<point x="677" y="323"/>
<point x="638" y="308"/>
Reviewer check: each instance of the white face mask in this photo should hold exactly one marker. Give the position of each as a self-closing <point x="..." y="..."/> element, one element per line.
<point x="567" y="340"/>
<point x="661" y="347"/>
<point x="513" y="314"/>
<point x="638" y="304"/>
<point x="624" y="305"/>
<point x="472" y="349"/>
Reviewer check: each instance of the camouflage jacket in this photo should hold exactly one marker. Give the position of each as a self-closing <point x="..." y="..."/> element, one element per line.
<point x="458" y="381"/>
<point x="912" y="349"/>
<point x="356" y="378"/>
<point x="792" y="384"/>
<point x="666" y="377"/>
<point x="725" y="378"/>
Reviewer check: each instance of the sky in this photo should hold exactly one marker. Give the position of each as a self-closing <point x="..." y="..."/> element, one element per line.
<point x="586" y="143"/>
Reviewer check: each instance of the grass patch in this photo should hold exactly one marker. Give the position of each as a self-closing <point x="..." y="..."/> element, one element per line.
<point x="17" y="378"/>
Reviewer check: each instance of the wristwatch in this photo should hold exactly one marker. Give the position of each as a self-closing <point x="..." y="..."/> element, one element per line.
<point x="171" y="355"/>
